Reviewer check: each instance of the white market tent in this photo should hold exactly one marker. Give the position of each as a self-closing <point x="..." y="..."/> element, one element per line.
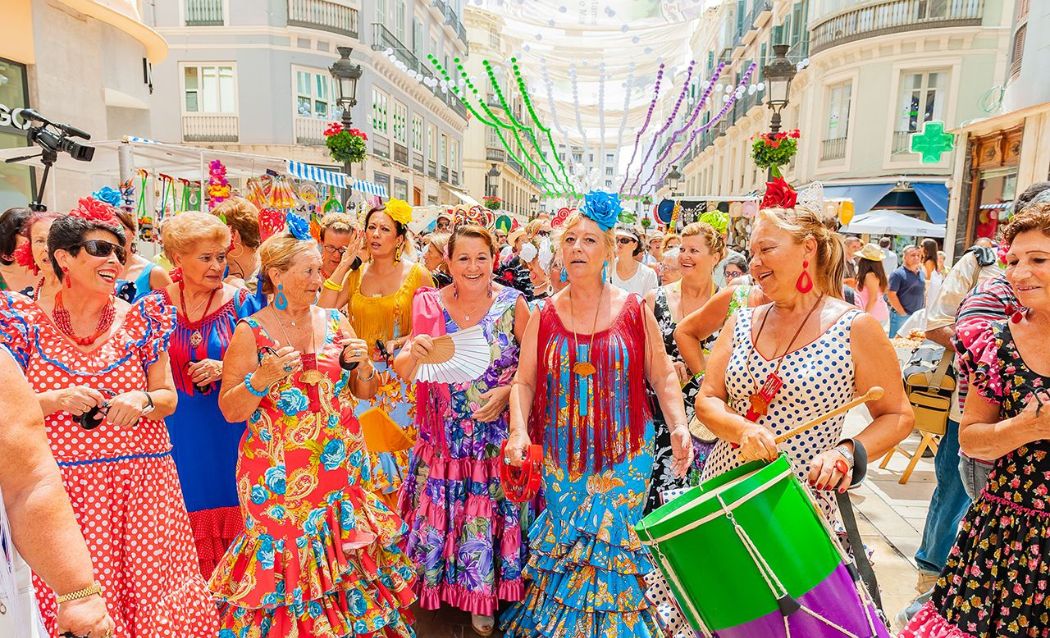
<point x="889" y="222"/>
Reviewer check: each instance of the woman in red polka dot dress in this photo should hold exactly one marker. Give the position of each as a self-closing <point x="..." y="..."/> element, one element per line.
<point x="100" y="370"/>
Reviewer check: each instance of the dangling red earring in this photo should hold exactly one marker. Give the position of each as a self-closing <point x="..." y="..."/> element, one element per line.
<point x="804" y="283"/>
<point x="1016" y="314"/>
<point x="65" y="278"/>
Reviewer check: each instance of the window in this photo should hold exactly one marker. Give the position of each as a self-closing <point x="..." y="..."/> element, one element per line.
<point x="920" y="99"/>
<point x="434" y="46"/>
<point x="453" y="160"/>
<point x="399" y="18"/>
<point x="313" y="94"/>
<point x="399" y="122"/>
<point x="431" y="145"/>
<point x="837" y="126"/>
<point x="494" y="38"/>
<point x="203" y="13"/>
<point x="1020" y="31"/>
<point x="400" y="188"/>
<point x="610" y="158"/>
<point x="609" y="171"/>
<point x="443" y="151"/>
<point x="381" y="12"/>
<point x="491" y="138"/>
<point x="209" y="89"/>
<point x="417" y="133"/>
<point x="379" y="112"/>
<point x="417" y="39"/>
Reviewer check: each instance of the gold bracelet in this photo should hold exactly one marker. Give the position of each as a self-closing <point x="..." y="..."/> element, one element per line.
<point x="94" y="589"/>
<point x="331" y="285"/>
<point x="370" y="377"/>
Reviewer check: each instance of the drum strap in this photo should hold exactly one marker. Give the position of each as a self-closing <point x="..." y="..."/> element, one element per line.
<point x="860" y="557"/>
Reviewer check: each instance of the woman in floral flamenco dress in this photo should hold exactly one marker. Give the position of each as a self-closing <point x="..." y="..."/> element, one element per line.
<point x="580" y="387"/>
<point x="465" y="535"/>
<point x="319" y="555"/>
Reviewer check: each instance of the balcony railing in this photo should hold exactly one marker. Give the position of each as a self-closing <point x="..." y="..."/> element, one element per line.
<point x="513" y="163"/>
<point x="894" y="16"/>
<point x="400" y="154"/>
<point x="309" y="131"/>
<point x="759" y="7"/>
<point x="383" y="39"/>
<point x="455" y="178"/>
<point x="452" y="19"/>
<point x="323" y="15"/>
<point x="493" y="101"/>
<point x="432" y="168"/>
<point x="381" y="147"/>
<point x="495" y="154"/>
<point x="417" y="161"/>
<point x="444" y="173"/>
<point x="901" y="142"/>
<point x="207" y="127"/>
<point x="204" y="13"/>
<point x="833" y="149"/>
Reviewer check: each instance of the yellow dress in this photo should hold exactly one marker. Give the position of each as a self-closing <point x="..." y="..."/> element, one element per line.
<point x="388" y="418"/>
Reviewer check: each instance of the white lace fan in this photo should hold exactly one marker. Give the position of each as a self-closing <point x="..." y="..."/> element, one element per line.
<point x="456" y="358"/>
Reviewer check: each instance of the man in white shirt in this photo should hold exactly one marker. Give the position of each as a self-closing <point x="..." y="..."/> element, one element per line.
<point x="628" y="273"/>
<point x="889" y="258"/>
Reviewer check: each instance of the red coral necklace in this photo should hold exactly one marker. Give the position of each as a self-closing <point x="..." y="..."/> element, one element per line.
<point x="62" y="319"/>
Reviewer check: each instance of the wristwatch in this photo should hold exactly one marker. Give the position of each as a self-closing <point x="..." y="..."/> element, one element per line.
<point x="94" y="589"/>
<point x="846" y="454"/>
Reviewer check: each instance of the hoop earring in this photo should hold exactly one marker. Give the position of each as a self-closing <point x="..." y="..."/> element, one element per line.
<point x="804" y="283"/>
<point x="280" y="300"/>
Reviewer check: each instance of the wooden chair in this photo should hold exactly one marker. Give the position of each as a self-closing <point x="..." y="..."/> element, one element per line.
<point x="930" y="395"/>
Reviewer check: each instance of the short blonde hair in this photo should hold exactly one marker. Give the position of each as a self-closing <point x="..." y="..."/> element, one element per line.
<point x="242" y="216"/>
<point x="714" y="240"/>
<point x="337" y="223"/>
<point x="438" y="241"/>
<point x="279" y="251"/>
<point x="184" y="231"/>
<point x="668" y="238"/>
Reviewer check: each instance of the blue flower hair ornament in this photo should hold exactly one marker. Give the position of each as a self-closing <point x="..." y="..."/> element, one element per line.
<point x="298" y="227"/>
<point x="108" y="195"/>
<point x="602" y="208"/>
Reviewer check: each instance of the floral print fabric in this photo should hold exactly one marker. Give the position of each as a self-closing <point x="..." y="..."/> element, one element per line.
<point x="465" y="535"/>
<point x="319" y="555"/>
<point x="996" y="579"/>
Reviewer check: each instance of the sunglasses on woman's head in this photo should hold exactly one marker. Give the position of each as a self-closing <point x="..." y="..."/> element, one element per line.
<point x="103" y="248"/>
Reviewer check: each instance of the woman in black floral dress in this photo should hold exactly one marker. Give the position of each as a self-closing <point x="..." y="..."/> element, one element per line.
<point x="701" y="249"/>
<point x="997" y="578"/>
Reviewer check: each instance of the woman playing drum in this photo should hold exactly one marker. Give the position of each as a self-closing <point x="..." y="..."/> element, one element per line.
<point x="808" y="352"/>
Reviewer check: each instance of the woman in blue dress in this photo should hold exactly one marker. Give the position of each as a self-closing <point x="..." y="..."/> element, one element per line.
<point x="204" y="444"/>
<point x="587" y="566"/>
<point x="141" y="276"/>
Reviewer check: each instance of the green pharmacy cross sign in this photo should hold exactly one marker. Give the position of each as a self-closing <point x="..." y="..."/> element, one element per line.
<point x="932" y="143"/>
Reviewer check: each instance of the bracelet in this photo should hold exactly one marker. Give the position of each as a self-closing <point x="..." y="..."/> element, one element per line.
<point x="369" y="378"/>
<point x="94" y="589"/>
<point x="845" y="453"/>
<point x="331" y="285"/>
<point x="248" y="386"/>
<point x="149" y="404"/>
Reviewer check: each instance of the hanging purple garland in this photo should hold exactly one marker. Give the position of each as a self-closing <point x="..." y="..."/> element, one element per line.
<point x="645" y="125"/>
<point x="667" y="124"/>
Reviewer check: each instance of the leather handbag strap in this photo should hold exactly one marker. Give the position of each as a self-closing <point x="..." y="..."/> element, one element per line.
<point x="860" y="557"/>
<point x="942" y="369"/>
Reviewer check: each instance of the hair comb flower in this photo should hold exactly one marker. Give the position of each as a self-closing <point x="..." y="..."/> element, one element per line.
<point x="109" y="195"/>
<point x="779" y="194"/>
<point x="94" y="210"/>
<point x="399" y="211"/>
<point x="602" y="208"/>
<point x="298" y="227"/>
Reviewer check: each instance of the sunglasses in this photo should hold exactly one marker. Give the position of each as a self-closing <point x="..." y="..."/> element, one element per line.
<point x="102" y="248"/>
<point x="734" y="273"/>
<point x="623" y="241"/>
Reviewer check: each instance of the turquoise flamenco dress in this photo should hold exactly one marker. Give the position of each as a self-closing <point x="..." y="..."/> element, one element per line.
<point x="587" y="566"/>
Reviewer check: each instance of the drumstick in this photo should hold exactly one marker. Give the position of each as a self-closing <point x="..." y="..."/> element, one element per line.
<point x="873" y="394"/>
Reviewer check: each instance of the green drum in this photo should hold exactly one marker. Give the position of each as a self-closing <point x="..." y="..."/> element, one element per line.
<point x="724" y="577"/>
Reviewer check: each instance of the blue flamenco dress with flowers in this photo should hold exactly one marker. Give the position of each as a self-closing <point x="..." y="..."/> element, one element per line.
<point x="320" y="554"/>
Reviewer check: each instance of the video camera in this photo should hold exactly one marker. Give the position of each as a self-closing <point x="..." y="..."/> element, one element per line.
<point x="56" y="138"/>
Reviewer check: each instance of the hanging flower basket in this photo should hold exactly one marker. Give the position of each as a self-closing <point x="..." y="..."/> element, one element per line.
<point x="773" y="150"/>
<point x="345" y="145"/>
<point x="492" y="202"/>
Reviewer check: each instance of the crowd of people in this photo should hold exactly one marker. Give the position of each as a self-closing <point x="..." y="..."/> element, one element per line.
<point x="247" y="438"/>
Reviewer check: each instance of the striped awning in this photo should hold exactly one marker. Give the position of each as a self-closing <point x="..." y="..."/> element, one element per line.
<point x="315" y="174"/>
<point x="996" y="206"/>
<point x="370" y="188"/>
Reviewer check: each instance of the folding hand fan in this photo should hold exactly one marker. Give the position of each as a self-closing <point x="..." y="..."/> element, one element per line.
<point x="456" y="358"/>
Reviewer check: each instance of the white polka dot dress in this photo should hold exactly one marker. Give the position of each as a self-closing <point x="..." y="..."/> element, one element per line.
<point x="818" y="378"/>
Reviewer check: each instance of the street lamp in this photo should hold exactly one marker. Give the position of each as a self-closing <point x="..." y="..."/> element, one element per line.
<point x="346" y="75"/>
<point x="779" y="73"/>
<point x="492" y="181"/>
<point x="534" y="202"/>
<point x="674" y="179"/>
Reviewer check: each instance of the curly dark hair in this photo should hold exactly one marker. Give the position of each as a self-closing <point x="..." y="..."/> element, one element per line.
<point x="12" y="223"/>
<point x="68" y="231"/>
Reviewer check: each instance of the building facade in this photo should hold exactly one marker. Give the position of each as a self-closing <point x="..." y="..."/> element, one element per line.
<point x="86" y="64"/>
<point x="252" y="76"/>
<point x="870" y="74"/>
<point x="484" y="152"/>
<point x="1008" y="151"/>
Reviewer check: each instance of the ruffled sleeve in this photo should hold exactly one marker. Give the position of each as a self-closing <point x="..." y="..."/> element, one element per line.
<point x="17" y="315"/>
<point x="245" y="304"/>
<point x="148" y="328"/>
<point x="989" y="363"/>
<point x="427" y="315"/>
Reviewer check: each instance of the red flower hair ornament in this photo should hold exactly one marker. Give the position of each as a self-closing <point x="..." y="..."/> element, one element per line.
<point x="779" y="194"/>
<point x="93" y="210"/>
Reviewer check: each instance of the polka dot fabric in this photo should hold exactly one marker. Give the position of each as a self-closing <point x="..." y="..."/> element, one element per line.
<point x="121" y="481"/>
<point x="818" y="378"/>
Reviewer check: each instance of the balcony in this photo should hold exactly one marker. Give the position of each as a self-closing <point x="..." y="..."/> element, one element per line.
<point x="455" y="178"/>
<point x="893" y="16"/>
<point x="833" y="149"/>
<point x="758" y="8"/>
<point x="901" y="142"/>
<point x="210" y="127"/>
<point x="513" y="163"/>
<point x="495" y="154"/>
<point x="400" y="154"/>
<point x="444" y="174"/>
<point x="432" y="168"/>
<point x="324" y="16"/>
<point x="204" y="13"/>
<point x="452" y="20"/>
<point x="309" y="131"/>
<point x="383" y="39"/>
<point x="417" y="161"/>
<point x="493" y="101"/>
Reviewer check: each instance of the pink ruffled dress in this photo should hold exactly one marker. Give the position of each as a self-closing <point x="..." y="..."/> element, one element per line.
<point x="122" y="481"/>
<point x="997" y="578"/>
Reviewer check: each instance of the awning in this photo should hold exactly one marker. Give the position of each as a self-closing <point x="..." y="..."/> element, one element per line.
<point x="934" y="198"/>
<point x="864" y="196"/>
<point x="315" y="174"/>
<point x="370" y="188"/>
<point x="463" y="197"/>
<point x="996" y="206"/>
<point x="889" y="222"/>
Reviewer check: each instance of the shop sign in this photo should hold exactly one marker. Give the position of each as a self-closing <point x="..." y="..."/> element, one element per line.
<point x="12" y="118"/>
